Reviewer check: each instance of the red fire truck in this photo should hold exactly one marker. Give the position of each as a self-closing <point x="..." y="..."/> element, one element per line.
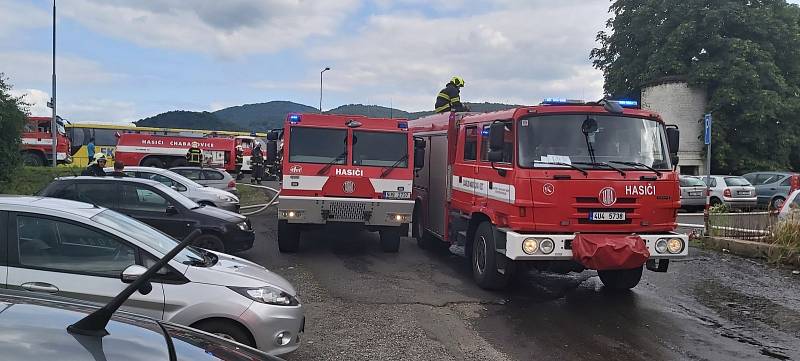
<point x="563" y="186"/>
<point x="164" y="151"/>
<point x="345" y="170"/>
<point x="36" y="143"/>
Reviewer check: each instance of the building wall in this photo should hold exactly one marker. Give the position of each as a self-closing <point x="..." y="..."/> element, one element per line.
<point x="683" y="106"/>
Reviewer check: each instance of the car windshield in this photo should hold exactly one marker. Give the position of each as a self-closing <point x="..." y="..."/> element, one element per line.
<point x="736" y="181"/>
<point x="691" y="182"/>
<point x="560" y="138"/>
<point x="146" y="234"/>
<point x="177" y="196"/>
<point x="380" y="149"/>
<point x="317" y="145"/>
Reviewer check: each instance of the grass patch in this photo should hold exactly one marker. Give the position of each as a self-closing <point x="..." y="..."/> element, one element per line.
<point x="30" y="180"/>
<point x="785" y="235"/>
<point x="252" y="195"/>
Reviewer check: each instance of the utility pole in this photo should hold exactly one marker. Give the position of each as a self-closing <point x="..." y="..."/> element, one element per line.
<point x="320" y="87"/>
<point x="53" y="121"/>
<point x="707" y="141"/>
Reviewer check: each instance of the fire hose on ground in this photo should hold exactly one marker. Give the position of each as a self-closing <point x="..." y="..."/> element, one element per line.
<point x="261" y="207"/>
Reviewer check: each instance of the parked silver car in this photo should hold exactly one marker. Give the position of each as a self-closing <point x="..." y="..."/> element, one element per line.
<point x="201" y="194"/>
<point x="82" y="251"/>
<point x="209" y="177"/>
<point x="772" y="188"/>
<point x="693" y="193"/>
<point x="732" y="191"/>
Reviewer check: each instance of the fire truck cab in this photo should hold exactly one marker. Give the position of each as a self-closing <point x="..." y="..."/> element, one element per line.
<point x="563" y="186"/>
<point x="36" y="143"/>
<point x="345" y="170"/>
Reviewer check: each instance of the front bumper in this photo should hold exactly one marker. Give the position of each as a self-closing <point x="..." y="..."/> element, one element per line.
<point x="238" y="240"/>
<point x="228" y="206"/>
<point x="562" y="252"/>
<point x="693" y="202"/>
<point x="321" y="210"/>
<point x="740" y="202"/>
<point x="268" y="321"/>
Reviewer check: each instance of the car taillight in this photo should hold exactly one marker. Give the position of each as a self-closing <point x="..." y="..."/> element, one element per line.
<point x="727" y="192"/>
<point x="232" y="184"/>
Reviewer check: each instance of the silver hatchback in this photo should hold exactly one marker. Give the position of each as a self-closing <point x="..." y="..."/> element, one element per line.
<point x="693" y="193"/>
<point x="732" y="191"/>
<point x="82" y="251"/>
<point x="209" y="177"/>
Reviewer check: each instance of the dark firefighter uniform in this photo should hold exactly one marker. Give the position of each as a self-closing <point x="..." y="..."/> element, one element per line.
<point x="449" y="99"/>
<point x="257" y="165"/>
<point x="194" y="157"/>
<point x="239" y="161"/>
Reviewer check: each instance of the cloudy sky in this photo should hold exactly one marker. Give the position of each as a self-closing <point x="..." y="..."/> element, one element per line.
<point x="121" y="60"/>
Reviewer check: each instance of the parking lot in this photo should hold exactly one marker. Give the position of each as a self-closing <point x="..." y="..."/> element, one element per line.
<point x="363" y="304"/>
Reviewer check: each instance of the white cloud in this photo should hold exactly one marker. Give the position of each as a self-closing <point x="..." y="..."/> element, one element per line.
<point x="83" y="110"/>
<point x="15" y="17"/>
<point x="30" y="68"/>
<point x="230" y="28"/>
<point x="521" y="52"/>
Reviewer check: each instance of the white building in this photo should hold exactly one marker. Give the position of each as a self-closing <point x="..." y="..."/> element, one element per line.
<point x="684" y="106"/>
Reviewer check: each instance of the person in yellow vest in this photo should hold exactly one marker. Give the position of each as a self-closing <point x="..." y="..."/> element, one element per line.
<point x="449" y="98"/>
<point x="239" y="161"/>
<point x="195" y="155"/>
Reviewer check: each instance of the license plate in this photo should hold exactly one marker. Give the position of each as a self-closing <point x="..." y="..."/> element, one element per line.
<point x="743" y="193"/>
<point x="607" y="216"/>
<point x="694" y="193"/>
<point x="396" y="195"/>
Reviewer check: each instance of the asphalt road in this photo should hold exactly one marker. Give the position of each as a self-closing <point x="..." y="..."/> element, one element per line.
<point x="362" y="304"/>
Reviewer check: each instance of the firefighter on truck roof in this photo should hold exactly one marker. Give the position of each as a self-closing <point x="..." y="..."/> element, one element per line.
<point x="449" y="99"/>
<point x="195" y="155"/>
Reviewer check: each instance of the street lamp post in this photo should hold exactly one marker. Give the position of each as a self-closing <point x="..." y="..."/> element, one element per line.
<point x="320" y="87"/>
<point x="53" y="121"/>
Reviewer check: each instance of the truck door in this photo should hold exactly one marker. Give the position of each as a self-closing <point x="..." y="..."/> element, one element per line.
<point x="499" y="188"/>
<point x="465" y="168"/>
<point x="436" y="183"/>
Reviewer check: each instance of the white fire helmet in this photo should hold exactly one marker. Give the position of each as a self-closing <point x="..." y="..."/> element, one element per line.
<point x="195" y="145"/>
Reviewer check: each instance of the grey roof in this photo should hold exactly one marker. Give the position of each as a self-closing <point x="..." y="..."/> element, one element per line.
<point x="48" y="205"/>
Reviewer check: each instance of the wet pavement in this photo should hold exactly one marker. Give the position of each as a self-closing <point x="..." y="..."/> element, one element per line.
<point x="363" y="304"/>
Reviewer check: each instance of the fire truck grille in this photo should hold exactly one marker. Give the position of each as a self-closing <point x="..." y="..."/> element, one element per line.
<point x="347" y="211"/>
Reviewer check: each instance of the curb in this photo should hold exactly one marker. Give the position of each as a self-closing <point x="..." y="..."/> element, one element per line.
<point x="748" y="249"/>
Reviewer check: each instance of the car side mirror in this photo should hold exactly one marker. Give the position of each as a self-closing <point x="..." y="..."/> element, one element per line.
<point x="419" y="153"/>
<point x="497" y="133"/>
<point x="171" y="209"/>
<point x="272" y="151"/>
<point x="132" y="273"/>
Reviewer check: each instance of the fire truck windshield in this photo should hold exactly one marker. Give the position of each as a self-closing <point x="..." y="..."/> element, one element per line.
<point x="380" y="149"/>
<point x="616" y="139"/>
<point x="317" y="145"/>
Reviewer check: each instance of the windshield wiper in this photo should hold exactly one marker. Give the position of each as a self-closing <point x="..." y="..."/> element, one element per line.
<point x="328" y="166"/>
<point x="393" y="166"/>
<point x="637" y="164"/>
<point x="604" y="164"/>
<point x="579" y="169"/>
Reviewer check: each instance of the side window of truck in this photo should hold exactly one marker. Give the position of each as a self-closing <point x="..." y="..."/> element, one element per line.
<point x="471" y="143"/>
<point x="508" y="143"/>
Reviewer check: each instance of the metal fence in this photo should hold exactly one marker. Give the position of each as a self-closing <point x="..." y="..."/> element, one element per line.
<point x="753" y="226"/>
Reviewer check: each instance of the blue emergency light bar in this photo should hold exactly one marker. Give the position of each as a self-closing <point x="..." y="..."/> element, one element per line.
<point x="562" y="101"/>
<point x="628" y="103"/>
<point x="294" y="118"/>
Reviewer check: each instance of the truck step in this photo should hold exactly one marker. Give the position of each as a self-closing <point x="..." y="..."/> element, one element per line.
<point x="458" y="250"/>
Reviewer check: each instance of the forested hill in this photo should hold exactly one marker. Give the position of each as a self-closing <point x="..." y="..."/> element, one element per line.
<point x="270" y="115"/>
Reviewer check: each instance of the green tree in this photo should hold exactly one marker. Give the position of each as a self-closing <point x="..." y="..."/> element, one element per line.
<point x="744" y="53"/>
<point x="12" y="118"/>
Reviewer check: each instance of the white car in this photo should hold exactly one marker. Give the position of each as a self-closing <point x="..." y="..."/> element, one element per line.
<point x="791" y="208"/>
<point x="87" y="252"/>
<point x="732" y="191"/>
<point x="199" y="193"/>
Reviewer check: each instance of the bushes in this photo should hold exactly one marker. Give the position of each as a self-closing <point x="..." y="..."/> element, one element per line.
<point x="12" y="118"/>
<point x="785" y="235"/>
<point x="30" y="180"/>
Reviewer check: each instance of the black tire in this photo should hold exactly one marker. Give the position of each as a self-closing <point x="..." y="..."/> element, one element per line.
<point x="288" y="237"/>
<point x="776" y="203"/>
<point x="153" y="162"/>
<point x="228" y="330"/>
<point x="32" y="159"/>
<point x="210" y="242"/>
<point x="484" y="257"/>
<point x="620" y="280"/>
<point x="390" y="240"/>
<point x="178" y="162"/>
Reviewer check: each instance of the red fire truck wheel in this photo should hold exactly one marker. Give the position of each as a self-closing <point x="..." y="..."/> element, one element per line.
<point x="484" y="260"/>
<point x="620" y="279"/>
<point x="288" y="237"/>
<point x="390" y="239"/>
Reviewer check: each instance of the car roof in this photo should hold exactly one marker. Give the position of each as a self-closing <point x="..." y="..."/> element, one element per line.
<point x="770" y="172"/>
<point x="111" y="179"/>
<point x="198" y="168"/>
<point x="36" y="329"/>
<point x="48" y="205"/>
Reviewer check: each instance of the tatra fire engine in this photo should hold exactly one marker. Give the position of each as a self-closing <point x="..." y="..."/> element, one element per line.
<point x="563" y="186"/>
<point x="36" y="143"/>
<point x="343" y="169"/>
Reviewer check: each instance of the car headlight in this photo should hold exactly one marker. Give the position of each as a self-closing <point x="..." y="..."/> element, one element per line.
<point x="267" y="294"/>
<point x="675" y="245"/>
<point x="661" y="246"/>
<point x="290" y="214"/>
<point x="243" y="226"/>
<point x="227" y="198"/>
<point x="547" y="246"/>
<point x="530" y="245"/>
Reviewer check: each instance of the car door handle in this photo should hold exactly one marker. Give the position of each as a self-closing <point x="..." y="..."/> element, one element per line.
<point x="40" y="287"/>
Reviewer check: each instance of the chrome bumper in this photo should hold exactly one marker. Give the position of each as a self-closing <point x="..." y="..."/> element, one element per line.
<point x="321" y="210"/>
<point x="514" y="241"/>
